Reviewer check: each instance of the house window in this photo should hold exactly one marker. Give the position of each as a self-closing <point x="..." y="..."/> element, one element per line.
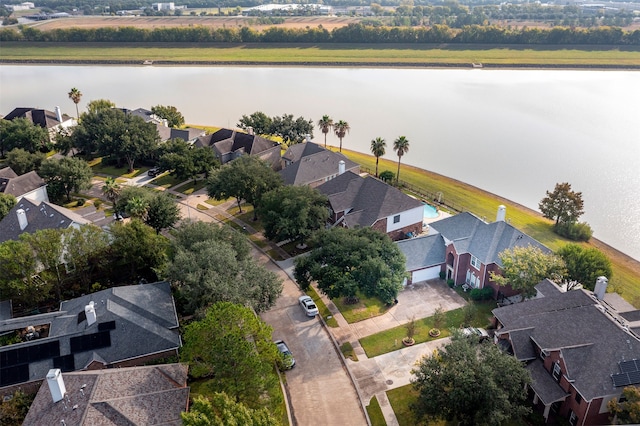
<point x="573" y="419"/>
<point x="578" y="397"/>
<point x="396" y="218"/>
<point x="542" y="355"/>
<point x="475" y="262"/>
<point x="556" y="371"/>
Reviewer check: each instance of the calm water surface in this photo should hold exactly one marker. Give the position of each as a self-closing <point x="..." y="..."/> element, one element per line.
<point x="512" y="132"/>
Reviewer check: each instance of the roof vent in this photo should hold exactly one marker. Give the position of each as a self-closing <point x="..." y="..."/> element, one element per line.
<point x="22" y="219"/>
<point x="90" y="312"/>
<point x="601" y="287"/>
<point x="341" y="167"/>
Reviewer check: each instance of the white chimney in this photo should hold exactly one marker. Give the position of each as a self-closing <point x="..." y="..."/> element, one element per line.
<point x="601" y="287"/>
<point x="22" y="219"/>
<point x="90" y="312"/>
<point x="341" y="167"/>
<point x="308" y="138"/>
<point x="59" y="114"/>
<point x="56" y="384"/>
<point x="502" y="213"/>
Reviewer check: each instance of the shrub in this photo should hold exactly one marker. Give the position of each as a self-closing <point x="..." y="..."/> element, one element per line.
<point x="442" y="275"/>
<point x="387" y="176"/>
<point x="97" y="204"/>
<point x="80" y="202"/>
<point x="580" y="231"/>
<point x="481" y="294"/>
<point x="450" y="283"/>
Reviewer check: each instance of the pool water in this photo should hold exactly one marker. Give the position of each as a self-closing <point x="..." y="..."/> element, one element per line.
<point x="430" y="212"/>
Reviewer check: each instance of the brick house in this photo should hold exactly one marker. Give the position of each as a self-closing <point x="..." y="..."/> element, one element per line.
<point x="581" y="348"/>
<point x="151" y="395"/>
<point x="118" y="327"/>
<point x="356" y="201"/>
<point x="312" y="165"/>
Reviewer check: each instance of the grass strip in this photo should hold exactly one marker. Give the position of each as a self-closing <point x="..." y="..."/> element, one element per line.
<point x="400" y="399"/>
<point x="370" y="54"/>
<point x="322" y="308"/>
<point x="375" y="413"/>
<point x="347" y="351"/>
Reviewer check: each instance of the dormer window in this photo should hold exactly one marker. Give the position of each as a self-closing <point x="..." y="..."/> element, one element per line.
<point x="556" y="371"/>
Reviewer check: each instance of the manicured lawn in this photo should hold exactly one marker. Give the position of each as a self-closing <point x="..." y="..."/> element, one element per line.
<point x="190" y="187"/>
<point x="166" y="181"/>
<point x="98" y="167"/>
<point x="347" y="351"/>
<point x="400" y="400"/>
<point x="214" y="202"/>
<point x="375" y="413"/>
<point x="367" y="307"/>
<point x="391" y="339"/>
<point x="484" y="204"/>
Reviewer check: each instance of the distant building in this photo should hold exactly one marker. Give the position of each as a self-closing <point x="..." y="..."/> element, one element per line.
<point x="22" y="6"/>
<point x="163" y="6"/>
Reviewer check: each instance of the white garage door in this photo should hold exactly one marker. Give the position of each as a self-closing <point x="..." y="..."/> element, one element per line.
<point x="425" y="274"/>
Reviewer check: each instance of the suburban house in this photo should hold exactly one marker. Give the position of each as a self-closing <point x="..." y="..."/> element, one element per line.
<point x="471" y="248"/>
<point x="312" y="165"/>
<point x="356" y="201"/>
<point x="581" y="348"/>
<point x="189" y="134"/>
<point x="151" y="395"/>
<point x="29" y="216"/>
<point x="231" y="144"/>
<point x="146" y="115"/>
<point x="118" y="327"/>
<point x="52" y="121"/>
<point x="29" y="185"/>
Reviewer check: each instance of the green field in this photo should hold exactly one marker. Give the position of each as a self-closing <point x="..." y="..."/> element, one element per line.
<point x="377" y="54"/>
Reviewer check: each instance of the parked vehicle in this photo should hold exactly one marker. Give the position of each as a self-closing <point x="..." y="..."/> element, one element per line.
<point x="153" y="172"/>
<point x="308" y="306"/>
<point x="288" y="362"/>
<point x="479" y="333"/>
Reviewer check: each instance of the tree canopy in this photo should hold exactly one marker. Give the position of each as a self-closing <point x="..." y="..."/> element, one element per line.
<point x="210" y="265"/>
<point x="224" y="411"/>
<point x="231" y="347"/>
<point x="138" y="250"/>
<point x="524" y="267"/>
<point x="245" y="178"/>
<point x="65" y="175"/>
<point x="154" y="208"/>
<point x="186" y="161"/>
<point x="7" y="201"/>
<point x="585" y="265"/>
<point x="563" y="205"/>
<point x="291" y="130"/>
<point x="170" y="113"/>
<point x="293" y="212"/>
<point x="259" y="122"/>
<point x="22" y="133"/>
<point x="471" y="384"/>
<point x="350" y="260"/>
<point x="22" y="161"/>
<point x="627" y="412"/>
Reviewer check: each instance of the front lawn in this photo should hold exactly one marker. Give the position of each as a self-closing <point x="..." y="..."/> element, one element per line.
<point x="375" y="413"/>
<point x="400" y="399"/>
<point x="166" y="181"/>
<point x="190" y="187"/>
<point x="367" y="307"/>
<point x="99" y="167"/>
<point x="391" y="339"/>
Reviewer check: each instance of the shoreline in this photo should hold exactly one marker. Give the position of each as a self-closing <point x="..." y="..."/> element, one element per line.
<point x="348" y="64"/>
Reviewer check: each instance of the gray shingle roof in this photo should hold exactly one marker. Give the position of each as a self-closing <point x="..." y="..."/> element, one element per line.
<point x="590" y="341"/>
<point x="485" y="241"/>
<point x="296" y="151"/>
<point x="366" y="200"/>
<point x="144" y="317"/>
<point x="22" y="184"/>
<point x="543" y="384"/>
<point x="151" y="395"/>
<point x="423" y="252"/>
<point x="39" y="216"/>
<point x="314" y="165"/>
<point x="41" y="117"/>
<point x="7" y="172"/>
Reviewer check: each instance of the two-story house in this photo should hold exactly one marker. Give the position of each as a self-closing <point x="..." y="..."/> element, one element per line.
<point x="312" y="165"/>
<point x="230" y="144"/>
<point x="581" y="348"/>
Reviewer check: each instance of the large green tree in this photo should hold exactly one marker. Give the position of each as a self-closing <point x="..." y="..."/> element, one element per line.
<point x="111" y="189"/>
<point x="18" y="274"/>
<point x="186" y="161"/>
<point x="291" y="130"/>
<point x="245" y="178"/>
<point x="86" y="250"/>
<point x="585" y="265"/>
<point x="221" y="410"/>
<point x="401" y="147"/>
<point x="293" y="212"/>
<point x="325" y="124"/>
<point x="22" y="161"/>
<point x="232" y="348"/>
<point x="523" y="268"/>
<point x="99" y="105"/>
<point x="170" y="113"/>
<point x="7" y="201"/>
<point x="137" y="249"/>
<point x="470" y="384"/>
<point x="206" y="271"/>
<point x="378" y="146"/>
<point x="628" y="411"/>
<point x="22" y="133"/>
<point x="259" y="122"/>
<point x="48" y="245"/>
<point x="65" y="175"/>
<point x="563" y="205"/>
<point x="348" y="260"/>
<point x="163" y="212"/>
<point x="341" y="128"/>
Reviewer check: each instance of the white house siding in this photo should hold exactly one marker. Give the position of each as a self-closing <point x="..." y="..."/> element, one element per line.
<point x="407" y="218"/>
<point x="37" y="195"/>
<point x="425" y="274"/>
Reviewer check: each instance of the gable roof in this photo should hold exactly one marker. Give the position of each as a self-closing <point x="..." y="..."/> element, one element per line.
<point x="39" y="216"/>
<point x="41" y="117"/>
<point x="151" y="395"/>
<point x="314" y="164"/>
<point x="188" y="134"/>
<point x="20" y="185"/>
<point x="566" y="322"/>
<point x="296" y="151"/>
<point x="423" y="252"/>
<point x="131" y="322"/>
<point x="470" y="234"/>
<point x="227" y="141"/>
<point x="365" y="200"/>
<point x="7" y="172"/>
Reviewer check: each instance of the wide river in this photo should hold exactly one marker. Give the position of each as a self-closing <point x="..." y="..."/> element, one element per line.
<point x="512" y="132"/>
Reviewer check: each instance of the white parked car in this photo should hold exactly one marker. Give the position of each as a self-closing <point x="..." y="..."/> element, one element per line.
<point x="308" y="306"/>
<point x="479" y="333"/>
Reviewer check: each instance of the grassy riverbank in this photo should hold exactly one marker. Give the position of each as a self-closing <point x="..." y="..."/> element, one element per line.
<point x="328" y="54"/>
<point x="626" y="271"/>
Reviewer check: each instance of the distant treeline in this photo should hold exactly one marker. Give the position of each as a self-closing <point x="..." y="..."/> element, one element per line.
<point x="353" y="33"/>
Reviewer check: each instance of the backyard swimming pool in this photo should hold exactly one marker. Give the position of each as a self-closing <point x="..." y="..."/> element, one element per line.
<point x="430" y="212"/>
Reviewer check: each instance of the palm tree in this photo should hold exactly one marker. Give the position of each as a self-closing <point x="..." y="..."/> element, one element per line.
<point x="401" y="147"/>
<point x="341" y="128"/>
<point x="325" y="124"/>
<point x="137" y="207"/>
<point x="377" y="148"/>
<point x="75" y="95"/>
<point x="111" y="190"/>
